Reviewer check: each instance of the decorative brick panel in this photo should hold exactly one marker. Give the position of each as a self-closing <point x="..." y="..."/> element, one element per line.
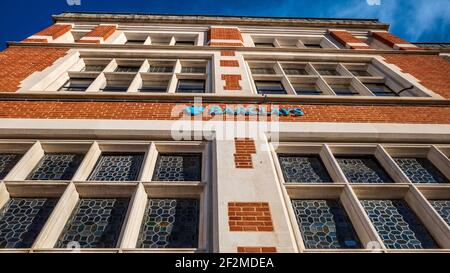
<point x="215" y="33"/>
<point x="392" y="40"/>
<point x="348" y="40"/>
<point x="232" y="82"/>
<point x="244" y="147"/>
<point x="256" y="249"/>
<point x="227" y="53"/>
<point x="358" y="113"/>
<point x="17" y="63"/>
<point x="225" y="44"/>
<point x="229" y="63"/>
<point x="101" y="32"/>
<point x="432" y="71"/>
<point x="249" y="216"/>
<point x="55" y="31"/>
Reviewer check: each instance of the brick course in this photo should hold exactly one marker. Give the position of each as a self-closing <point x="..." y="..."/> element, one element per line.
<point x="224" y="34"/>
<point x="102" y="31"/>
<point x="245" y="148"/>
<point x="391" y="40"/>
<point x="345" y="37"/>
<point x="229" y="63"/>
<point x="432" y="71"/>
<point x="17" y="63"/>
<point x="408" y="114"/>
<point x="256" y="249"/>
<point x="249" y="216"/>
<point x="55" y="31"/>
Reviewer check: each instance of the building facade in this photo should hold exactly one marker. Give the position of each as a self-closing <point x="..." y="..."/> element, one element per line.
<point x="170" y="133"/>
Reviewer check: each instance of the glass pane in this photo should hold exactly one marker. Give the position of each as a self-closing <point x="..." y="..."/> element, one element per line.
<point x="126" y="68"/>
<point x="397" y="225"/>
<point x="160" y="69"/>
<point x="193" y="69"/>
<point x="262" y="70"/>
<point x="324" y="224"/>
<point x="21" y="220"/>
<point x="442" y="207"/>
<point x="135" y="42"/>
<point x="178" y="167"/>
<point x="170" y="223"/>
<point x="191" y="86"/>
<point x="295" y="71"/>
<point x="93" y="68"/>
<point x="344" y="90"/>
<point x="113" y="88"/>
<point x="307" y="89"/>
<point x="76" y="85"/>
<point x="312" y="45"/>
<point x="420" y="170"/>
<point x="360" y="73"/>
<point x="381" y="89"/>
<point x="95" y="223"/>
<point x="117" y="167"/>
<point x="303" y="168"/>
<point x="270" y="87"/>
<point x="363" y="169"/>
<point x="7" y="162"/>
<point x="185" y="43"/>
<point x="153" y="89"/>
<point x="328" y="72"/>
<point x="264" y="45"/>
<point x="56" y="166"/>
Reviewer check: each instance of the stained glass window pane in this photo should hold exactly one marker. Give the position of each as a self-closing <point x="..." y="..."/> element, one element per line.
<point x="170" y="223"/>
<point x="56" y="166"/>
<point x="363" y="169"/>
<point x="443" y="209"/>
<point x="117" y="167"/>
<point x="324" y="224"/>
<point x="178" y="167"/>
<point x="397" y="225"/>
<point x="21" y="220"/>
<point x="7" y="162"/>
<point x="303" y="168"/>
<point x="95" y="223"/>
<point x="420" y="170"/>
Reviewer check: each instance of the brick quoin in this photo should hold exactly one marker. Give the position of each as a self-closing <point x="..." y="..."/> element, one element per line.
<point x="227" y="53"/>
<point x="17" y="63"/>
<point x="249" y="216"/>
<point x="103" y="31"/>
<point x="225" y="44"/>
<point x="245" y="148"/>
<point x="432" y="71"/>
<point x="232" y="82"/>
<point x="229" y="63"/>
<point x="256" y="249"/>
<point x="390" y="40"/>
<point x="345" y="37"/>
<point x="55" y="31"/>
<point x="408" y="114"/>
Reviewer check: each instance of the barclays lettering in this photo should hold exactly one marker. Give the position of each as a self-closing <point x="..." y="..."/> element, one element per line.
<point x="246" y="111"/>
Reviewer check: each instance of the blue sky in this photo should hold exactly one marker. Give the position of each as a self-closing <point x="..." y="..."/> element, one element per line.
<point x="414" y="20"/>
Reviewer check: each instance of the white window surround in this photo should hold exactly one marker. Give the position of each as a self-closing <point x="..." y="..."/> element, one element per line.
<point x="293" y="41"/>
<point x="69" y="192"/>
<point x="350" y="194"/>
<point x="378" y="70"/>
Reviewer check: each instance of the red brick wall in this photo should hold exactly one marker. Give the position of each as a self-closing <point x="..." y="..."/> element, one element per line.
<point x="432" y="71"/>
<point x="256" y="249"/>
<point x="162" y="111"/>
<point x="227" y="53"/>
<point x="225" y="44"/>
<point x="249" y="216"/>
<point x="390" y="40"/>
<point x="232" y="82"/>
<point x="17" y="63"/>
<point x="245" y="148"/>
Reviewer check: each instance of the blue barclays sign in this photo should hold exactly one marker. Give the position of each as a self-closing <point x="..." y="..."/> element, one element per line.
<point x="246" y="111"/>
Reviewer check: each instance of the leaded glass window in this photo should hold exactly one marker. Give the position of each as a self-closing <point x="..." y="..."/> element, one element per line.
<point x="117" y="167"/>
<point x="324" y="224"/>
<point x="443" y="209"/>
<point x="21" y="220"/>
<point x="363" y="169"/>
<point x="303" y="168"/>
<point x="170" y="223"/>
<point x="56" y="166"/>
<point x="397" y="225"/>
<point x="95" y="223"/>
<point x="420" y="170"/>
<point x="178" y="167"/>
<point x="7" y="162"/>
